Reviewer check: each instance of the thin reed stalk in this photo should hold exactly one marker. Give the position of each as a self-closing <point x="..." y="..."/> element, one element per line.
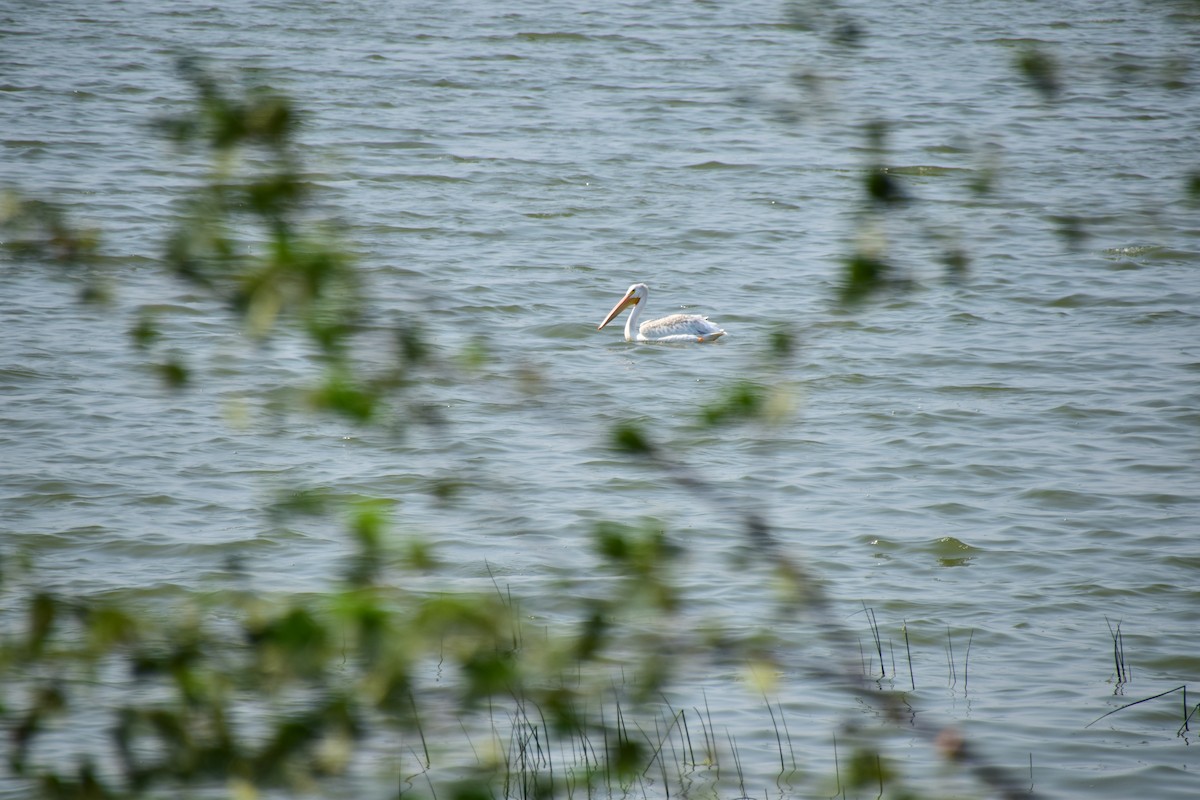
<point x="950" y="659"/>
<point x="654" y="754"/>
<point x="778" y="739"/>
<point x="1187" y="715"/>
<point x="1136" y="703"/>
<point x="676" y="758"/>
<point x="908" y="649"/>
<point x="892" y="653"/>
<point x="710" y="738"/>
<point x="687" y="733"/>
<point x="788" y="734"/>
<point x="737" y="763"/>
<point x="1118" y="642"/>
<point x="870" y="612"/>
<point x="837" y="770"/>
<point x="967" y="662"/>
<point x="420" y="730"/>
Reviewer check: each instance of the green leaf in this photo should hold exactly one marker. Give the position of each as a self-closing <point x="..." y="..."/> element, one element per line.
<point x="629" y="438"/>
<point x="43" y="611"/>
<point x="1041" y="70"/>
<point x="744" y="400"/>
<point x="864" y="274"/>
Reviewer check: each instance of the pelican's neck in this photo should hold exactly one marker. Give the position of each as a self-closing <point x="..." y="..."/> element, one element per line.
<point x="631" y="324"/>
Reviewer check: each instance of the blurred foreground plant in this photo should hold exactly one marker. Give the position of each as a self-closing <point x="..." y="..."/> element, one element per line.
<point x="456" y="693"/>
<point x="251" y="239"/>
<point x="243" y="693"/>
<point x="245" y="235"/>
<point x="35" y="230"/>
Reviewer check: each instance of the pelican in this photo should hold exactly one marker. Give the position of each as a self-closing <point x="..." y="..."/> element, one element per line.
<point x="675" y="328"/>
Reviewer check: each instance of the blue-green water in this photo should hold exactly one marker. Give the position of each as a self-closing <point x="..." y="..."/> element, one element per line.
<point x="1007" y="457"/>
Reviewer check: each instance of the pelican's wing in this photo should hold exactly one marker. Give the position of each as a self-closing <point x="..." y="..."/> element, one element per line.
<point x="680" y="328"/>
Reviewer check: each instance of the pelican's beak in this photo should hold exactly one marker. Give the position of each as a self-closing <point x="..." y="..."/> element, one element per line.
<point x="627" y="301"/>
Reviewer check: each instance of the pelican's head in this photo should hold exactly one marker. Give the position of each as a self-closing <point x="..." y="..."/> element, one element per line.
<point x="634" y="295"/>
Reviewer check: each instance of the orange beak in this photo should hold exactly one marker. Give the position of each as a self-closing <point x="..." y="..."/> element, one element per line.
<point x="629" y="300"/>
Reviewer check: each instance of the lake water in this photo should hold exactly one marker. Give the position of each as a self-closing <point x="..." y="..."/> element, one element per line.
<point x="1005" y="457"/>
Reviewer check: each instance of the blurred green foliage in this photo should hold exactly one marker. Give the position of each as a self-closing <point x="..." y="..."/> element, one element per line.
<point x="33" y="230"/>
<point x="39" y="230"/>
<point x="242" y="695"/>
<point x="1040" y="69"/>
<point x="250" y="238"/>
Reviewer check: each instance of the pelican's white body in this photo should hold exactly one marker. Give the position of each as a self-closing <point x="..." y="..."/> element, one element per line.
<point x="675" y="328"/>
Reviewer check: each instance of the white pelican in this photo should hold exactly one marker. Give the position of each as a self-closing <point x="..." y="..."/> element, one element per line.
<point x="675" y="328"/>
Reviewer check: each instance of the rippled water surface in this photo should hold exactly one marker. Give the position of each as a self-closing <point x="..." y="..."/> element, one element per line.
<point x="1002" y="458"/>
